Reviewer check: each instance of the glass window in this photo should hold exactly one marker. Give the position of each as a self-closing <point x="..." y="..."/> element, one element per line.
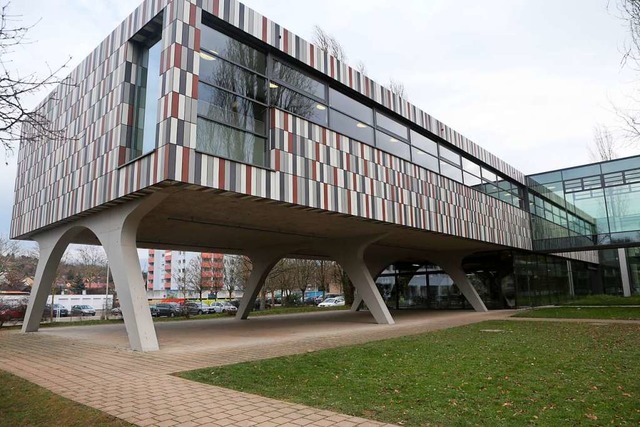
<point x="450" y="155"/>
<point x="392" y="145"/>
<point x="632" y="176"/>
<point x="424" y="143"/>
<point x="544" y="178"/>
<point x="298" y="80"/>
<point x="581" y="172"/>
<point x="471" y="180"/>
<point x="226" y="47"/>
<point x="350" y="106"/>
<point x="620" y="165"/>
<point x="230" y="143"/>
<point x="425" y="160"/>
<point x="147" y="94"/>
<point x="224" y="74"/>
<point x="299" y="104"/>
<point x="222" y="106"/>
<point x="623" y="207"/>
<point x="450" y="171"/>
<point x="488" y="175"/>
<point x="391" y="125"/>
<point x="592" y="202"/>
<point x="351" y="128"/>
<point x="471" y="167"/>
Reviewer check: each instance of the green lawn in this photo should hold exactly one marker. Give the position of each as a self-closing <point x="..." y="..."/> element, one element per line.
<point x="605" y="300"/>
<point x="23" y="403"/>
<point x="491" y="373"/>
<point x="623" y="313"/>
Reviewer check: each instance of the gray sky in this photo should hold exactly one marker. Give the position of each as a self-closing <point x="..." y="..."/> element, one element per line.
<point x="525" y="79"/>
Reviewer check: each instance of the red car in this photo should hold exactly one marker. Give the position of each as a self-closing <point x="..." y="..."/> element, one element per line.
<point x="12" y="312"/>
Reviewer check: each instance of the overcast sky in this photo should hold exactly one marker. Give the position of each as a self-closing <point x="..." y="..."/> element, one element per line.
<point x="525" y="79"/>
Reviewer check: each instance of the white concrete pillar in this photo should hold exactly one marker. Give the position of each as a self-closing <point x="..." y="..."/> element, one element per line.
<point x="624" y="272"/>
<point x="52" y="245"/>
<point x="572" y="291"/>
<point x="375" y="265"/>
<point x="262" y="261"/>
<point x="350" y="255"/>
<point x="116" y="228"/>
<point x="451" y="263"/>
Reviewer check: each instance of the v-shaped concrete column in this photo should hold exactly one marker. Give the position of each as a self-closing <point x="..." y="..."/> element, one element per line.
<point x="116" y="229"/>
<point x="349" y="253"/>
<point x="451" y="263"/>
<point x="262" y="261"/>
<point x="375" y="265"/>
<point x="52" y="245"/>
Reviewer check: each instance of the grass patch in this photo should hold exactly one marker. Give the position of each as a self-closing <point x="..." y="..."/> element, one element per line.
<point x="491" y="373"/>
<point x="23" y="403"/>
<point x="620" y="313"/>
<point x="605" y="300"/>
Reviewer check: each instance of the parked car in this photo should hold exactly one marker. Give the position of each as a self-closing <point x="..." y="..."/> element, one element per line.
<point x="58" y="310"/>
<point x="10" y="312"/>
<point x="116" y="311"/>
<point x="332" y="302"/>
<point x="169" y="309"/>
<point x="83" y="310"/>
<point x="197" y="307"/>
<point x="154" y="311"/>
<point x="224" y="307"/>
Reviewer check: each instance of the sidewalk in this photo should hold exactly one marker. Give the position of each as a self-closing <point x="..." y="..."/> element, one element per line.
<point x="92" y="364"/>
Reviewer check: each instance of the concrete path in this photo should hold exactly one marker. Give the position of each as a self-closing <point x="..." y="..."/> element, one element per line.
<point x="92" y="364"/>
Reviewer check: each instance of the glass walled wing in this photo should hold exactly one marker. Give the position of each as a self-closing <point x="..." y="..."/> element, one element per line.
<point x="588" y="206"/>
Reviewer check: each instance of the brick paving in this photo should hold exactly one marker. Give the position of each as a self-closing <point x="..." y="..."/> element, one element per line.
<point x="93" y="365"/>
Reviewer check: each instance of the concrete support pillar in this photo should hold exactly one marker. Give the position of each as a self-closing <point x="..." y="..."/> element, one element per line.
<point x="117" y="229"/>
<point x="375" y="265"/>
<point x="451" y="263"/>
<point x="350" y="255"/>
<point x="572" y="291"/>
<point x="624" y="272"/>
<point x="52" y="245"/>
<point x="262" y="262"/>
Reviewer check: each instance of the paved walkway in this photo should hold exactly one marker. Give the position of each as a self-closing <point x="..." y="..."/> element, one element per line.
<point x="93" y="365"/>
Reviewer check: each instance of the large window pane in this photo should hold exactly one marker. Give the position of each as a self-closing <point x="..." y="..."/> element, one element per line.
<point x="470" y="167"/>
<point x="450" y="155"/>
<point x="351" y="128"/>
<point x="623" y="206"/>
<point x="392" y="145"/>
<point x="424" y="143"/>
<point x="230" y="143"/>
<point x="228" y="48"/>
<point x="224" y="74"/>
<point x="425" y="160"/>
<point x="592" y="202"/>
<point x="450" y="171"/>
<point x="391" y="125"/>
<point x="471" y="180"/>
<point x="350" y="106"/>
<point x="488" y="175"/>
<point x="298" y="80"/>
<point x="298" y="104"/>
<point x="223" y="106"/>
<point x="152" y="94"/>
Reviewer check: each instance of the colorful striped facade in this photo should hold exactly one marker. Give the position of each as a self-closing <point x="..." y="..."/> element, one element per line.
<point x="309" y="165"/>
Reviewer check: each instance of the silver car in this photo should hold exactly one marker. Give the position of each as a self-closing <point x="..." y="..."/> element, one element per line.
<point x="83" y="310"/>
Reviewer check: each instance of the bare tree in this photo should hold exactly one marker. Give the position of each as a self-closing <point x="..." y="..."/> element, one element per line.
<point x="8" y="250"/>
<point x="630" y="13"/>
<point x="397" y="87"/>
<point x="92" y="262"/>
<point x="603" y="146"/>
<point x="328" y="43"/>
<point x="235" y="273"/>
<point x="16" y="120"/>
<point x="362" y="68"/>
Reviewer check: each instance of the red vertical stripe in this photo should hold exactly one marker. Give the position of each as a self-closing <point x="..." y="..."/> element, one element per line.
<point x="295" y="189"/>
<point x="221" y="174"/>
<point x="290" y="144"/>
<point x="285" y="46"/>
<point x="196" y="40"/>
<point x="177" y="55"/>
<point x="216" y="7"/>
<point x="249" y="179"/>
<point x="265" y="23"/>
<point x="192" y="15"/>
<point x="326" y="196"/>
<point x="174" y="104"/>
<point x="185" y="163"/>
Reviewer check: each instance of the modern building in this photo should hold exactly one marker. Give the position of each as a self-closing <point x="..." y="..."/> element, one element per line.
<point x="204" y="126"/>
<point x="173" y="271"/>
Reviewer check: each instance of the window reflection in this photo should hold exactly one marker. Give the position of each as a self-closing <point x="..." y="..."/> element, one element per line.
<point x="391" y="125"/>
<point x="450" y="171"/>
<point x="424" y="143"/>
<point x="350" y="106"/>
<point x="219" y="105"/>
<point x="224" y="46"/>
<point x="425" y="160"/>
<point x="224" y="74"/>
<point x="352" y="128"/>
<point x="449" y="155"/>
<point x="298" y="104"/>
<point x="233" y="144"/>
<point x="392" y="145"/>
<point x="298" y="80"/>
